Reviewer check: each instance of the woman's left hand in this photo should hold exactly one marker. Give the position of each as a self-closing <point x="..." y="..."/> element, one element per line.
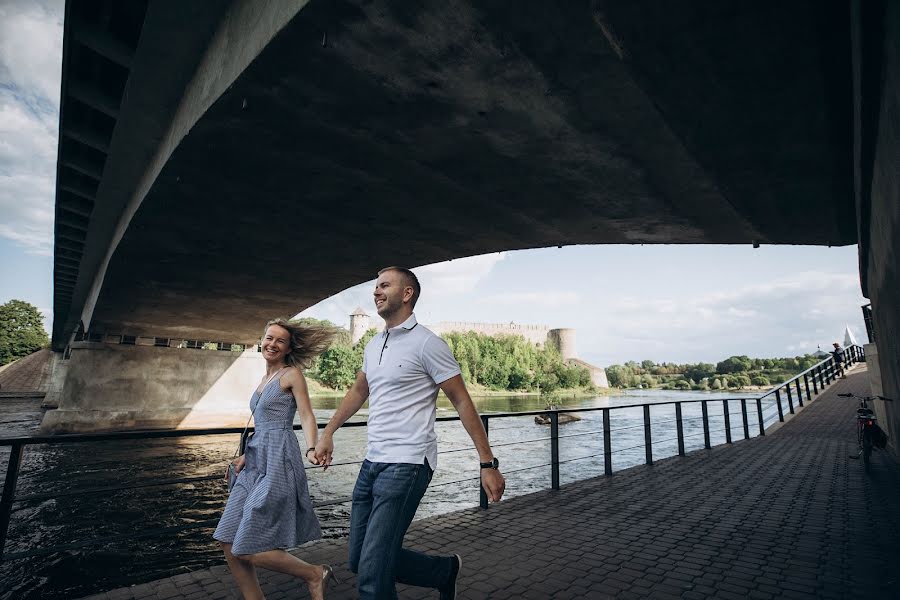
<point x="311" y="456"/>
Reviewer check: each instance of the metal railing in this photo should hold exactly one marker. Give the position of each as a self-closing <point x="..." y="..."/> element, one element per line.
<point x="814" y="380"/>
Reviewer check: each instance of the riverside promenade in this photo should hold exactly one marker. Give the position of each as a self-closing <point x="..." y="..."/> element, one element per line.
<point x="787" y="515"/>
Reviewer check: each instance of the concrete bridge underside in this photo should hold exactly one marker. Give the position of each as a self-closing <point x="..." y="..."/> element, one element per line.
<point x="222" y="165"/>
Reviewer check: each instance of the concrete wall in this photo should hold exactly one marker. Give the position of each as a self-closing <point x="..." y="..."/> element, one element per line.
<point x="883" y="265"/>
<point x="112" y="387"/>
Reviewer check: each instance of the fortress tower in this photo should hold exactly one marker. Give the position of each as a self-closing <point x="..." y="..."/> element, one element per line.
<point x="564" y="341"/>
<point x="359" y="324"/>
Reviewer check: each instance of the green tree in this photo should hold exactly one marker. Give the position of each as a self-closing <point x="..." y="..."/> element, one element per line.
<point x="699" y="371"/>
<point x="617" y="376"/>
<point x="761" y="380"/>
<point x="338" y="366"/>
<point x="734" y="364"/>
<point x="21" y="330"/>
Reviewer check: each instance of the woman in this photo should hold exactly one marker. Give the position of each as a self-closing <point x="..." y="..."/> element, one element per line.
<point x="269" y="509"/>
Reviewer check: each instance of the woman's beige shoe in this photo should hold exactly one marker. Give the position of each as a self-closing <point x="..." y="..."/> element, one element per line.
<point x="328" y="577"/>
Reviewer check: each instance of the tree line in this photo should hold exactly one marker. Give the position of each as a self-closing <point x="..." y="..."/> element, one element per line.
<point x="507" y="362"/>
<point x="733" y="372"/>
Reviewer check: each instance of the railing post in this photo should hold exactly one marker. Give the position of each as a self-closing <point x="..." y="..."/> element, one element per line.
<point x="790" y="399"/>
<point x="680" y="427"/>
<point x="799" y="393"/>
<point x="759" y="415"/>
<point x="705" y="424"/>
<point x="9" y="491"/>
<point x="727" y="421"/>
<point x="648" y="443"/>
<point x="815" y="384"/>
<point x="482" y="495"/>
<point x="744" y="417"/>
<point x="554" y="449"/>
<point x="607" y="444"/>
<point x="778" y="402"/>
<point x="806" y="385"/>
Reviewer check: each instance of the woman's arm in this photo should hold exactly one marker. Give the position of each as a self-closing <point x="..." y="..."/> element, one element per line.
<point x="297" y="382"/>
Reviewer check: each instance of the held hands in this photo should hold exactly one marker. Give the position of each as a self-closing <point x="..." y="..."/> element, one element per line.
<point x="324" y="451"/>
<point x="311" y="456"/>
<point x="494" y="484"/>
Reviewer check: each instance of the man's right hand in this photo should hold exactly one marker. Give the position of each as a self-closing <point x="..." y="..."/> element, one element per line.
<point x="324" y="450"/>
<point x="494" y="484"/>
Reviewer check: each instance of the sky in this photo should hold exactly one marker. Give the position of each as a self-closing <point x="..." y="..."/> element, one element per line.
<point x="628" y="302"/>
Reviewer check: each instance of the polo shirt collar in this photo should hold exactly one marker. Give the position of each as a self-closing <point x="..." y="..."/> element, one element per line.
<point x="407" y="324"/>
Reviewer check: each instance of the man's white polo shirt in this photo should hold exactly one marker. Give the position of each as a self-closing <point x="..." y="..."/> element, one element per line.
<point x="404" y="366"/>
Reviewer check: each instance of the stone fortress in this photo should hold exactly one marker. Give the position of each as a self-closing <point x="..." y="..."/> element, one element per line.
<point x="563" y="339"/>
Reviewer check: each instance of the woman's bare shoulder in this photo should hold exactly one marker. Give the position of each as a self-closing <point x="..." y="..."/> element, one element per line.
<point x="293" y="376"/>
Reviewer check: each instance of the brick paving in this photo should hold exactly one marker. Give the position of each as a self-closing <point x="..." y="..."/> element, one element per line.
<point x="787" y="515"/>
<point x="30" y="375"/>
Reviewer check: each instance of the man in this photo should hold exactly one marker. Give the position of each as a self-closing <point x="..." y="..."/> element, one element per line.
<point x="838" y="354"/>
<point x="403" y="368"/>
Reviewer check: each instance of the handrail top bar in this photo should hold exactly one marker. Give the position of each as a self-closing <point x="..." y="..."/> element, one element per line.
<point x="799" y="375"/>
<point x="166" y="433"/>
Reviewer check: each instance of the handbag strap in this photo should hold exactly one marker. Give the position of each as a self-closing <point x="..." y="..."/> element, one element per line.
<point x="253" y="410"/>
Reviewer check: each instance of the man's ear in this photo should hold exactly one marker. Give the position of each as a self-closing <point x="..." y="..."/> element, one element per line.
<point x="408" y="292"/>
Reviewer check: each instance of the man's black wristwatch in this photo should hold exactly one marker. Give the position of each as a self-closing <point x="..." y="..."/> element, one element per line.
<point x="493" y="464"/>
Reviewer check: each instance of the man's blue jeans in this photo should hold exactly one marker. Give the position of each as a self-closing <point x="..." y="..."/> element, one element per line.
<point x="385" y="500"/>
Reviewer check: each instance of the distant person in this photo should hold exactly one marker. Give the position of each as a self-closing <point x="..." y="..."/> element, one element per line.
<point x="838" y="354"/>
<point x="269" y="509"/>
<point x="403" y="368"/>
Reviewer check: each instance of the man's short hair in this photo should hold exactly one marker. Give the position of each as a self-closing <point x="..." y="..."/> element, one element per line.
<point x="409" y="279"/>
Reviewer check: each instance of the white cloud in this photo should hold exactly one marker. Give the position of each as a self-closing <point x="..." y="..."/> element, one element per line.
<point x="30" y="63"/>
<point x="541" y="299"/>
<point x="457" y="276"/>
<point x="31" y="48"/>
<point x="27" y="176"/>
<point x="789" y="315"/>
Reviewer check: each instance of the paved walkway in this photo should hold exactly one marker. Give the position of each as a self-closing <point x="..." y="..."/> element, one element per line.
<point x="783" y="516"/>
<point x="27" y="376"/>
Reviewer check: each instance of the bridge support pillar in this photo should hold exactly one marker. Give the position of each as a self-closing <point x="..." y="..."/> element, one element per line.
<point x="109" y="387"/>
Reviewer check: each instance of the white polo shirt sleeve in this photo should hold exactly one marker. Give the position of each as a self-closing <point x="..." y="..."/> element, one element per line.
<point x="438" y="360"/>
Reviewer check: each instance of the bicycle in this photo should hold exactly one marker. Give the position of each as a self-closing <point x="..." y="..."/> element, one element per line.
<point x="868" y="434"/>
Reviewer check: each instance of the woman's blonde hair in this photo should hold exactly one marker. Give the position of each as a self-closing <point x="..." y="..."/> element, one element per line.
<point x="307" y="341"/>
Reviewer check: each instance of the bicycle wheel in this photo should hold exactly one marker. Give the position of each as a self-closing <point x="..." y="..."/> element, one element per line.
<point x="867" y="448"/>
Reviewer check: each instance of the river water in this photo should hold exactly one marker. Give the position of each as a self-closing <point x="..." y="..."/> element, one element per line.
<point x="60" y="470"/>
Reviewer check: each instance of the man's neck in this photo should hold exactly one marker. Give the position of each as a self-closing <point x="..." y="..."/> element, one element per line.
<point x="396" y="319"/>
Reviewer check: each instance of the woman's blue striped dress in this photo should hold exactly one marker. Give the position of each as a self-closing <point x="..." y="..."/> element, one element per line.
<point x="269" y="506"/>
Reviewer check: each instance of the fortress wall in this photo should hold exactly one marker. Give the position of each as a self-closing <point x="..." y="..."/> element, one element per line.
<point x="598" y="374"/>
<point x="536" y="334"/>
